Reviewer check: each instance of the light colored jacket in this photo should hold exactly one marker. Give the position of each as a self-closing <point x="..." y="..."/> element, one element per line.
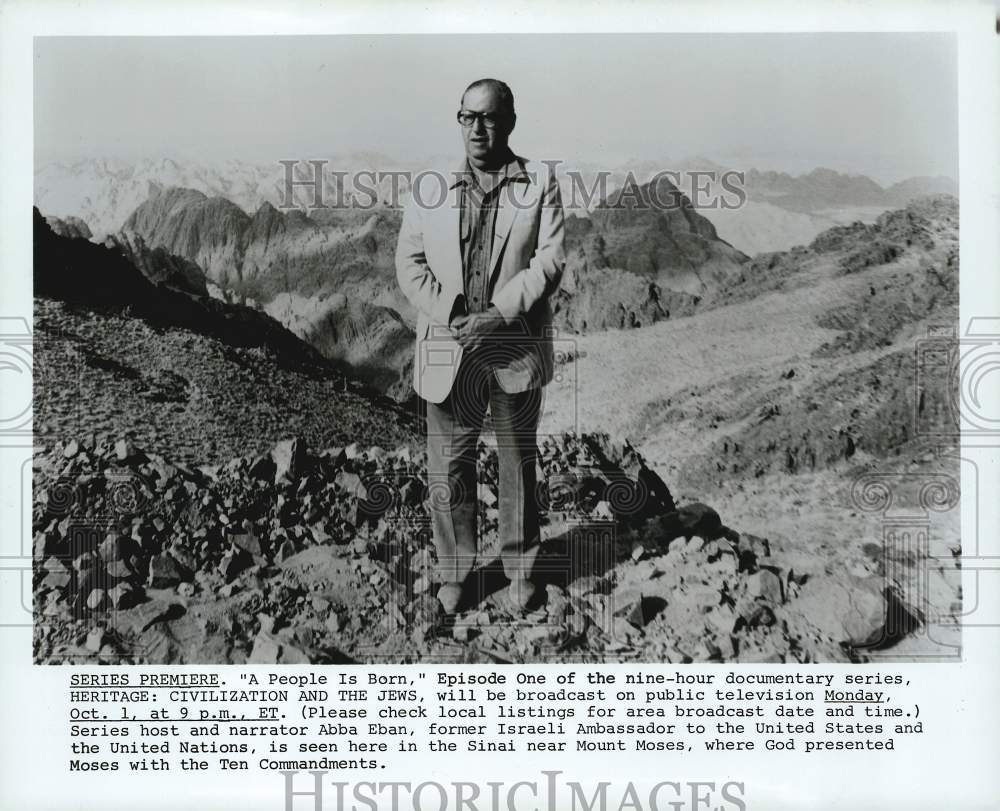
<point x="527" y="262"/>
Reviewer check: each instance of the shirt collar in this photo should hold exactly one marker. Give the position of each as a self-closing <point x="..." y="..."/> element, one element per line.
<point x="512" y="170"/>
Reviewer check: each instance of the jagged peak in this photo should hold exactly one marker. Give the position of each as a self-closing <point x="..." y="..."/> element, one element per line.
<point x="632" y="193"/>
<point x="267" y="216"/>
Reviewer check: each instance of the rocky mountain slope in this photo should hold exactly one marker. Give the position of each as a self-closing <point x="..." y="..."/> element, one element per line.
<point x="652" y="231"/>
<point x="373" y="340"/>
<point x="270" y="252"/>
<point x="330" y="278"/>
<point x="642" y="256"/>
<point x="159" y="265"/>
<point x="789" y="327"/>
<point x="72" y="227"/>
<point x="795" y="384"/>
<point x="162" y="366"/>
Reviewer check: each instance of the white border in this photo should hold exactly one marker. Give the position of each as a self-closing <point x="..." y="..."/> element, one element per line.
<point x="954" y="766"/>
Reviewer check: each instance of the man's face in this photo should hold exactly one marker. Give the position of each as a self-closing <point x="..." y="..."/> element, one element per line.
<point x="483" y="144"/>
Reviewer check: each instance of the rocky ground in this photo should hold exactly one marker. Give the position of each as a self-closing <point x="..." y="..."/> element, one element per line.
<point x="188" y="394"/>
<point x="294" y="556"/>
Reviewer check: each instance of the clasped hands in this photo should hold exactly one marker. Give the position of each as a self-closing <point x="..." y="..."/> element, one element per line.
<point x="471" y="330"/>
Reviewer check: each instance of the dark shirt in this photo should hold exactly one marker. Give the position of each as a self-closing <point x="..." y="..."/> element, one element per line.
<point x="478" y="228"/>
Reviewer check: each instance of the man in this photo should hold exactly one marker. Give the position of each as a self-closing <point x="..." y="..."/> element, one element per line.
<point x="480" y="253"/>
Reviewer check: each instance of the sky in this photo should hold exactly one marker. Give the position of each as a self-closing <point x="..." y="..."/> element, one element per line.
<point x="884" y="105"/>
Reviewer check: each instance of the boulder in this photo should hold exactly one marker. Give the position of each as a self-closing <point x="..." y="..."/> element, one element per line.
<point x="292" y="655"/>
<point x="57" y="578"/>
<point x="263" y="468"/>
<point x="164" y="572"/>
<point x="234" y="563"/>
<point x="285" y="551"/>
<point x="765" y="585"/>
<point x="119" y="570"/>
<point x="658" y="499"/>
<point x="698" y="519"/>
<point x="248" y="542"/>
<point x="636" y="608"/>
<point x="290" y="459"/>
<point x="352" y="484"/>
<point x="97" y="599"/>
<point x="266" y="650"/>
<point x="123" y="595"/>
<point x="96" y="639"/>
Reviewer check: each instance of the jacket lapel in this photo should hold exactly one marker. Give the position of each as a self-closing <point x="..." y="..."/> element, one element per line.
<point x="512" y="198"/>
<point x="450" y="225"/>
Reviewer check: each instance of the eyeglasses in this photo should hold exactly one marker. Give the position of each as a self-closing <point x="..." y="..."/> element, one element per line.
<point x="467" y="118"/>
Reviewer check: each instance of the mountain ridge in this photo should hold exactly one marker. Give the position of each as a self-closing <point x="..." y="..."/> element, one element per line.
<point x="104" y="191"/>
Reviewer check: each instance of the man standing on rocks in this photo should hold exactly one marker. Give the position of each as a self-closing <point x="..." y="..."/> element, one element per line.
<point x="480" y="254"/>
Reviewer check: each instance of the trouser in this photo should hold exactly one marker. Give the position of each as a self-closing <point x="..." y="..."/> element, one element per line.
<point x="453" y="429"/>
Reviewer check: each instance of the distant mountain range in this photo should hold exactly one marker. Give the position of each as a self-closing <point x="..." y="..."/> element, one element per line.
<point x="328" y="275"/>
<point x="782" y="210"/>
<point x="105" y="192"/>
<point x="825" y="188"/>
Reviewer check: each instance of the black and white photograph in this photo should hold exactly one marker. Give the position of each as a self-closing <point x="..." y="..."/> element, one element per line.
<point x="522" y="407"/>
<point x="497" y="349"/>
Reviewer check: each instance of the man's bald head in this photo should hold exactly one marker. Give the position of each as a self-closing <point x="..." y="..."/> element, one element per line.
<point x="503" y="93"/>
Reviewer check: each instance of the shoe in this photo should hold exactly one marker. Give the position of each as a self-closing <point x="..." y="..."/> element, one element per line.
<point x="520" y="593"/>
<point x="450" y="595"/>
